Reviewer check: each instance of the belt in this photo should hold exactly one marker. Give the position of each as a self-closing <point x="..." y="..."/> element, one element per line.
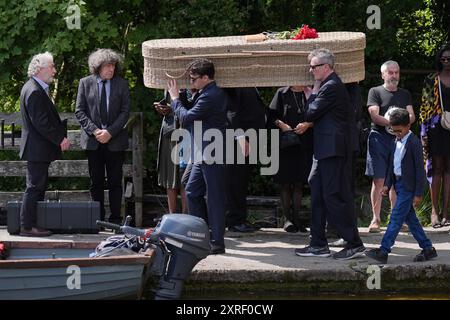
<point x="397" y="178"/>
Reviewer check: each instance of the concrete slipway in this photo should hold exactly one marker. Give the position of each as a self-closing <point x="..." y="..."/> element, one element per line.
<point x="263" y="265"/>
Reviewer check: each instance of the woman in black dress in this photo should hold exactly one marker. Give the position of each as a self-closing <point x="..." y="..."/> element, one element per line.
<point x="435" y="138"/>
<point x="287" y="112"/>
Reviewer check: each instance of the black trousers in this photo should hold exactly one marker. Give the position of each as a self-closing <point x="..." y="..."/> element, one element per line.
<point x="112" y="161"/>
<point x="37" y="183"/>
<point x="237" y="179"/>
<point x="330" y="227"/>
<point x="332" y="199"/>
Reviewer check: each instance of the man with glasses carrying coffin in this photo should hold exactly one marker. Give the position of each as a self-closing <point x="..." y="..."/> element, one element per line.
<point x="207" y="177"/>
<point x="329" y="109"/>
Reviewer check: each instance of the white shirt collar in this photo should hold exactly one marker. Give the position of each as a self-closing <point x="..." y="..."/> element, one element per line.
<point x="405" y="138"/>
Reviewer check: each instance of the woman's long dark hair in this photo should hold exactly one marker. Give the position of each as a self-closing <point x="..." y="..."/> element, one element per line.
<point x="438" y="63"/>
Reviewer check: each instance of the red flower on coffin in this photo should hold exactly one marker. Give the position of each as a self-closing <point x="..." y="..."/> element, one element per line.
<point x="305" y="32"/>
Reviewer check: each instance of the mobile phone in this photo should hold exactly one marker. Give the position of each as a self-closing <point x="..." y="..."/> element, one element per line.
<point x="161" y="104"/>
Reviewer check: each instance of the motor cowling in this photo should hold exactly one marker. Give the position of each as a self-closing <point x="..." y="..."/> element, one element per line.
<point x="186" y="238"/>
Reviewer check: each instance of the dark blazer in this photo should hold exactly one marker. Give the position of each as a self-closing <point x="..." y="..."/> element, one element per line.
<point x="330" y="110"/>
<point x="413" y="172"/>
<point x="42" y="128"/>
<point x="210" y="107"/>
<point x="245" y="109"/>
<point x="356" y="101"/>
<point x="87" y="112"/>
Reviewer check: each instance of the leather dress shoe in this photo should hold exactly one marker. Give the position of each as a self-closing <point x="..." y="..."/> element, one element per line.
<point x="243" y="227"/>
<point x="35" y="232"/>
<point x="302" y="229"/>
<point x="290" y="227"/>
<point x="217" y="249"/>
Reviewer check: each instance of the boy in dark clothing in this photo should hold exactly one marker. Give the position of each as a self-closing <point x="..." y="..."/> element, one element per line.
<point x="407" y="174"/>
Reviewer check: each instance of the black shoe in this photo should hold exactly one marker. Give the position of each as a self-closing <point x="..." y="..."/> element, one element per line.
<point x="347" y="254"/>
<point x="302" y="229"/>
<point x="217" y="249"/>
<point x="377" y="254"/>
<point x="313" y="252"/>
<point x="243" y="227"/>
<point x="426" y="254"/>
<point x="35" y="232"/>
<point x="290" y="227"/>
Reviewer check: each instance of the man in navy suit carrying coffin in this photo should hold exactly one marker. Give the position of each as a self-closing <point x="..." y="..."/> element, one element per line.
<point x="207" y="176"/>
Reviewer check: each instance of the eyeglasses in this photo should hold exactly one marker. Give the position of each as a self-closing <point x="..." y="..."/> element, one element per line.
<point x="192" y="79"/>
<point x="316" y="66"/>
<point x="445" y="59"/>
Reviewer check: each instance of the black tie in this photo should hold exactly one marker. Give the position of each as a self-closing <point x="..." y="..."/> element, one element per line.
<point x="103" y="107"/>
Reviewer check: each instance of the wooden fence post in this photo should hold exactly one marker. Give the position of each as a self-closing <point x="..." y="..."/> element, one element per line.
<point x="138" y="152"/>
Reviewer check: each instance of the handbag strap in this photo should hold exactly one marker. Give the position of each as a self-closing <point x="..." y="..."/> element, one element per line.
<point x="440" y="95"/>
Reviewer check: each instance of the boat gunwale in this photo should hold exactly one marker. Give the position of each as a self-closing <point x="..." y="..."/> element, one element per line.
<point x="50" y="244"/>
<point x="139" y="259"/>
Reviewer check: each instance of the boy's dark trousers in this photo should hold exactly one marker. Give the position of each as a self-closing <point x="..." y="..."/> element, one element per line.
<point x="403" y="212"/>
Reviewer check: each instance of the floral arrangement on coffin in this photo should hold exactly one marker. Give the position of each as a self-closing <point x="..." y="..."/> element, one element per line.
<point x="302" y="33"/>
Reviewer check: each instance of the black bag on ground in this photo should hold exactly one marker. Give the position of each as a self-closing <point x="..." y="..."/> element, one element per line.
<point x="59" y="216"/>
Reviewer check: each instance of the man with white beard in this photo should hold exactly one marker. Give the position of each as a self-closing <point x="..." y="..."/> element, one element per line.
<point x="379" y="101"/>
<point x="43" y="138"/>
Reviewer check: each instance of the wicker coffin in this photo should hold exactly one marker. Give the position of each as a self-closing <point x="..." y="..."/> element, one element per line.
<point x="248" y="61"/>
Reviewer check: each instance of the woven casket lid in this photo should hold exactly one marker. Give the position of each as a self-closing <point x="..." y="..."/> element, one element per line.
<point x="241" y="63"/>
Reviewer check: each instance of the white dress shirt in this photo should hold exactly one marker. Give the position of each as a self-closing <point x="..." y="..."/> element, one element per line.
<point x="400" y="153"/>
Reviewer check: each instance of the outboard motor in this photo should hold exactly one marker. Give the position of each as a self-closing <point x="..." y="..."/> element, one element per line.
<point x="187" y="241"/>
<point x="180" y="242"/>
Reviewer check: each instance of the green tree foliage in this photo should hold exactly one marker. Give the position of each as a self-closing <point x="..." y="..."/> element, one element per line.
<point x="410" y="33"/>
<point x="29" y="27"/>
<point x="440" y="10"/>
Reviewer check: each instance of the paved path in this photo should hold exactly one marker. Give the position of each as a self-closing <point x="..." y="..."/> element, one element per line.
<point x="273" y="249"/>
<point x="264" y="264"/>
<point x="267" y="256"/>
